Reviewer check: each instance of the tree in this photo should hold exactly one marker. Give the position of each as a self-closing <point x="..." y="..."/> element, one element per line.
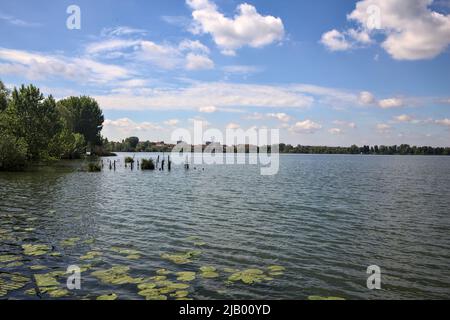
<point x="35" y="119"/>
<point x="83" y="115"/>
<point x="133" y="142"/>
<point x="4" y="97"/>
<point x="13" y="152"/>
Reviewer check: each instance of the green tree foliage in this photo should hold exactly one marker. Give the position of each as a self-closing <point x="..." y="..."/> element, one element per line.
<point x="4" y="97"/>
<point x="34" y="128"/>
<point x="83" y="115"/>
<point x="13" y="152"/>
<point x="133" y="142"/>
<point x="35" y="119"/>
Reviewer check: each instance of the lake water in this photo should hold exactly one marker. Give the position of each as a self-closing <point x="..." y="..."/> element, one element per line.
<point x="324" y="218"/>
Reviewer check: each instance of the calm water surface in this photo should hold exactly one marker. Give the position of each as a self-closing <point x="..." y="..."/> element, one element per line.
<point x="324" y="218"/>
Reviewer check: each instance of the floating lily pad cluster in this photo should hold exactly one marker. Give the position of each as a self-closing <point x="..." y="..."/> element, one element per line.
<point x="11" y="282"/>
<point x="129" y="253"/>
<point x="48" y="284"/>
<point x="185" y="276"/>
<point x="158" y="287"/>
<point x="116" y="275"/>
<point x="209" y="272"/>
<point x="181" y="258"/>
<point x="91" y="255"/>
<point x="249" y="276"/>
<point x="71" y="242"/>
<point x="35" y="249"/>
<point x="9" y="259"/>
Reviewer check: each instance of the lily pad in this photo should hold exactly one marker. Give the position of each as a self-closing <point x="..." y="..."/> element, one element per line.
<point x="69" y="242"/>
<point x="14" y="264"/>
<point x="209" y="275"/>
<point x="9" y="258"/>
<point x="126" y="251"/>
<point x="35" y="249"/>
<point x="208" y="269"/>
<point x="163" y="272"/>
<point x="276" y="268"/>
<point x="38" y="267"/>
<point x="111" y="296"/>
<point x="249" y="276"/>
<point x="116" y="275"/>
<point x="185" y="276"/>
<point x="177" y="258"/>
<point x="180" y="294"/>
<point x="31" y="292"/>
<point x="58" y="293"/>
<point x="91" y="255"/>
<point x="45" y="280"/>
<point x="146" y="286"/>
<point x="133" y="257"/>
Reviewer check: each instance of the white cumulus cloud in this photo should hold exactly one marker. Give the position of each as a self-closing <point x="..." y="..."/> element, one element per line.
<point x="246" y="28"/>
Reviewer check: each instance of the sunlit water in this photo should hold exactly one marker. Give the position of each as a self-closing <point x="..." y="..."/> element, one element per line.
<point x="324" y="218"/>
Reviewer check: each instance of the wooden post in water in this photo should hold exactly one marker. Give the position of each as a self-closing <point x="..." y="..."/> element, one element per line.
<point x="169" y="163"/>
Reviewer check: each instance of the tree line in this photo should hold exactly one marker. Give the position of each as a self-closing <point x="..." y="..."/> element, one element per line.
<point x="133" y="144"/>
<point x="35" y="128"/>
<point x="403" y="149"/>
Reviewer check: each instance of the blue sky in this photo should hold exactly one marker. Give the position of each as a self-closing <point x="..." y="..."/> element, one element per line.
<point x="325" y="73"/>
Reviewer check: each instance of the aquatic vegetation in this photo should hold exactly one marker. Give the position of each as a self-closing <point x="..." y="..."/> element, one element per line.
<point x="9" y="258"/>
<point x="94" y="167"/>
<point x="324" y="298"/>
<point x="38" y="267"/>
<point x="163" y="272"/>
<point x="55" y="254"/>
<point x="180" y="294"/>
<point x="89" y="241"/>
<point x="181" y="258"/>
<point x="45" y="280"/>
<point x="185" y="276"/>
<point x="147" y="164"/>
<point x="91" y="255"/>
<point x="31" y="292"/>
<point x="71" y="242"/>
<point x="230" y="270"/>
<point x="14" y="264"/>
<point x="275" y="271"/>
<point x="116" y="275"/>
<point x="130" y="253"/>
<point x="249" y="276"/>
<point x="129" y="160"/>
<point x="57" y="292"/>
<point x="199" y="243"/>
<point x="133" y="257"/>
<point x="35" y="249"/>
<point x="146" y="286"/>
<point x="111" y="296"/>
<point x="158" y="278"/>
<point x="209" y="272"/>
<point x="11" y="282"/>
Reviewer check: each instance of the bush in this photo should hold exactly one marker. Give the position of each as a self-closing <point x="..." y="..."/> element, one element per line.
<point x="147" y="164"/>
<point x="94" y="167"/>
<point x="129" y="160"/>
<point x="13" y="153"/>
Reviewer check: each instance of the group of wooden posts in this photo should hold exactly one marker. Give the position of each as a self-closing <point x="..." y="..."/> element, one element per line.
<point x="159" y="165"/>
